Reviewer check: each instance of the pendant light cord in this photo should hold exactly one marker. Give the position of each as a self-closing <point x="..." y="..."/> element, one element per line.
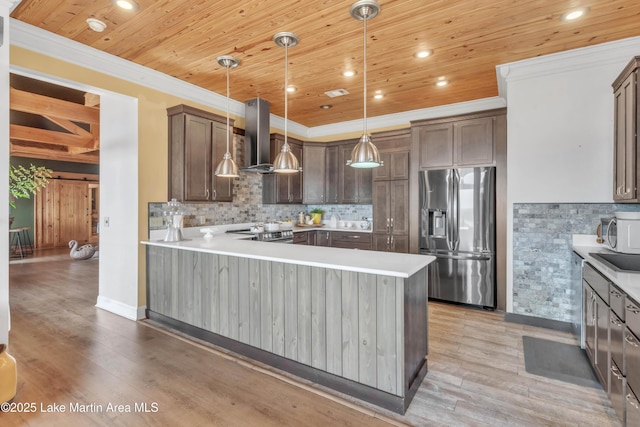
<point x="364" y="20"/>
<point x="286" y="91"/>
<point x="228" y="94"/>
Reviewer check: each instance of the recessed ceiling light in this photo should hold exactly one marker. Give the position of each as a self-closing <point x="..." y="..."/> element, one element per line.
<point x="423" y="53"/>
<point x="325" y="106"/>
<point x="291" y="89"/>
<point x="96" y="25"/>
<point x="574" y="14"/>
<point x="378" y="96"/>
<point x="349" y="73"/>
<point x="442" y="82"/>
<point x="126" y="4"/>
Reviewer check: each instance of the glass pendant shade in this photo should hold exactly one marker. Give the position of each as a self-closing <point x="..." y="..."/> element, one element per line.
<point x="286" y="161"/>
<point x="365" y="154"/>
<point x="227" y="168"/>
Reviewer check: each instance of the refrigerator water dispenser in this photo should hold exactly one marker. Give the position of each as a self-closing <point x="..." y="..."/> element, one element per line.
<point x="437" y="221"/>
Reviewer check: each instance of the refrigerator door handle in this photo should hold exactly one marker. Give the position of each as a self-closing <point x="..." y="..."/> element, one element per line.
<point x="459" y="256"/>
<point x="455" y="210"/>
<point x="466" y="257"/>
<point x="450" y="208"/>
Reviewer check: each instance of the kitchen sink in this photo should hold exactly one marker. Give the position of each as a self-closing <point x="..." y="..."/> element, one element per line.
<point x="619" y="262"/>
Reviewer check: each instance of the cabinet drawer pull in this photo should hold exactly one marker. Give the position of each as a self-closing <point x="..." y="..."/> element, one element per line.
<point x="630" y="340"/>
<point x="632" y="400"/>
<point x="633" y="309"/>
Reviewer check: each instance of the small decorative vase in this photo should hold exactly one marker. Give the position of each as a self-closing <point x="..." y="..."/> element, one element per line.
<point x="317" y="217"/>
<point x="8" y="375"/>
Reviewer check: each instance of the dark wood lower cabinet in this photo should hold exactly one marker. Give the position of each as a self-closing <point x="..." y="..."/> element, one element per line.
<point x="351" y="240"/>
<point x="335" y="239"/>
<point x="323" y="238"/>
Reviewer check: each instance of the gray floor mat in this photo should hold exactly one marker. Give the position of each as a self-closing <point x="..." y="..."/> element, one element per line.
<point x="558" y="361"/>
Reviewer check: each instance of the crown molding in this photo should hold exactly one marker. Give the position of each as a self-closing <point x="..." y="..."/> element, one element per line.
<point x="567" y="61"/>
<point x="50" y="44"/>
<point x="38" y="40"/>
<point x="405" y="118"/>
<point x="10" y="4"/>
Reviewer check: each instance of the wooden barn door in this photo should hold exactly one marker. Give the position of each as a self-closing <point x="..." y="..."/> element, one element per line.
<point x="66" y="210"/>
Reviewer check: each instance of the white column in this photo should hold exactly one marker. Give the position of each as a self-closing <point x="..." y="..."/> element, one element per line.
<point x="5" y="7"/>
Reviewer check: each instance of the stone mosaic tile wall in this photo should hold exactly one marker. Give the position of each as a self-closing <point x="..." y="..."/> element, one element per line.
<point x="247" y="204"/>
<point x="542" y="252"/>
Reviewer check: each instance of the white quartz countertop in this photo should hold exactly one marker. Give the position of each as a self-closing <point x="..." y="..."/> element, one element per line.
<point x="381" y="263"/>
<point x="583" y="245"/>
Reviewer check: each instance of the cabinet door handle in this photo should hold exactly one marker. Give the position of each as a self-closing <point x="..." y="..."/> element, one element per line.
<point x="388" y="225"/>
<point x="215" y="195"/>
<point x="392" y="245"/>
<point x="206" y="192"/>
<point x="616" y="372"/>
<point x="632" y="400"/>
<point x="630" y="340"/>
<point x="392" y="225"/>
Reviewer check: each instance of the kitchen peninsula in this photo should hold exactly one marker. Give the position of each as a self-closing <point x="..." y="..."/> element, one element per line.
<point x="352" y="320"/>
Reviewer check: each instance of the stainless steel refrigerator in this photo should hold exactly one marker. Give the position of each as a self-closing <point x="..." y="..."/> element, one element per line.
<point x="457" y="226"/>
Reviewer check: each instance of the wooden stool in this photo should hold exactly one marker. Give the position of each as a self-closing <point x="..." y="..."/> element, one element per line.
<point x="20" y="242"/>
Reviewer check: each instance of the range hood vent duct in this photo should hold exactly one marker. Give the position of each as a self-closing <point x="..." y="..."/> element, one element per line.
<point x="257" y="140"/>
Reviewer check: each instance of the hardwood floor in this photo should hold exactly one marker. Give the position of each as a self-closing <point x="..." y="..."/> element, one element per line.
<point x="71" y="353"/>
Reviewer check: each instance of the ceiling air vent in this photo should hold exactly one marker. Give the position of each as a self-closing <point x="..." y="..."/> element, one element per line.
<point x="336" y="92"/>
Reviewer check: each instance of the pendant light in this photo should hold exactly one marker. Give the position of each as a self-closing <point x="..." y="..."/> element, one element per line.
<point x="365" y="154"/>
<point x="227" y="168"/>
<point x="286" y="161"/>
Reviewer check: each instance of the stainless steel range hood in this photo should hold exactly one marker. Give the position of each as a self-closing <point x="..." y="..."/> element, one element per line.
<point x="257" y="141"/>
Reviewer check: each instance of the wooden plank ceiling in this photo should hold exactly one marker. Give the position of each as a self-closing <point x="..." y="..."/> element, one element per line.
<point x="182" y="38"/>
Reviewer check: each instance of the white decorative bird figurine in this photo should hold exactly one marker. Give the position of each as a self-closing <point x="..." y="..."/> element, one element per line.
<point x="84" y="252"/>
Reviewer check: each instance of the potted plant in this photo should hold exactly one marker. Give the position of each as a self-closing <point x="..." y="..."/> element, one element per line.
<point x="316" y="215"/>
<point x="24" y="182"/>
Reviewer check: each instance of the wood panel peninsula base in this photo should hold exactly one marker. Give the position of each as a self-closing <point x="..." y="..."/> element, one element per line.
<point x="360" y="332"/>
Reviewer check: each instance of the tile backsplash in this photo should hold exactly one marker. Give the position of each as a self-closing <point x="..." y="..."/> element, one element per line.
<point x="542" y="235"/>
<point x="247" y="203"/>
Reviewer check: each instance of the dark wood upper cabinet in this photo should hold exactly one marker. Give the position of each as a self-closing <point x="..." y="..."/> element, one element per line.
<point x="332" y="175"/>
<point x="328" y="179"/>
<point x="283" y="188"/>
<point x="626" y="92"/>
<point x="456" y="142"/>
<point x="314" y="173"/>
<point x="354" y="184"/>
<point x="197" y="142"/>
<point x="395" y="166"/>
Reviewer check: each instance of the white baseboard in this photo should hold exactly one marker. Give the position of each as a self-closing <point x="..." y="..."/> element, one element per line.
<point x="121" y="309"/>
